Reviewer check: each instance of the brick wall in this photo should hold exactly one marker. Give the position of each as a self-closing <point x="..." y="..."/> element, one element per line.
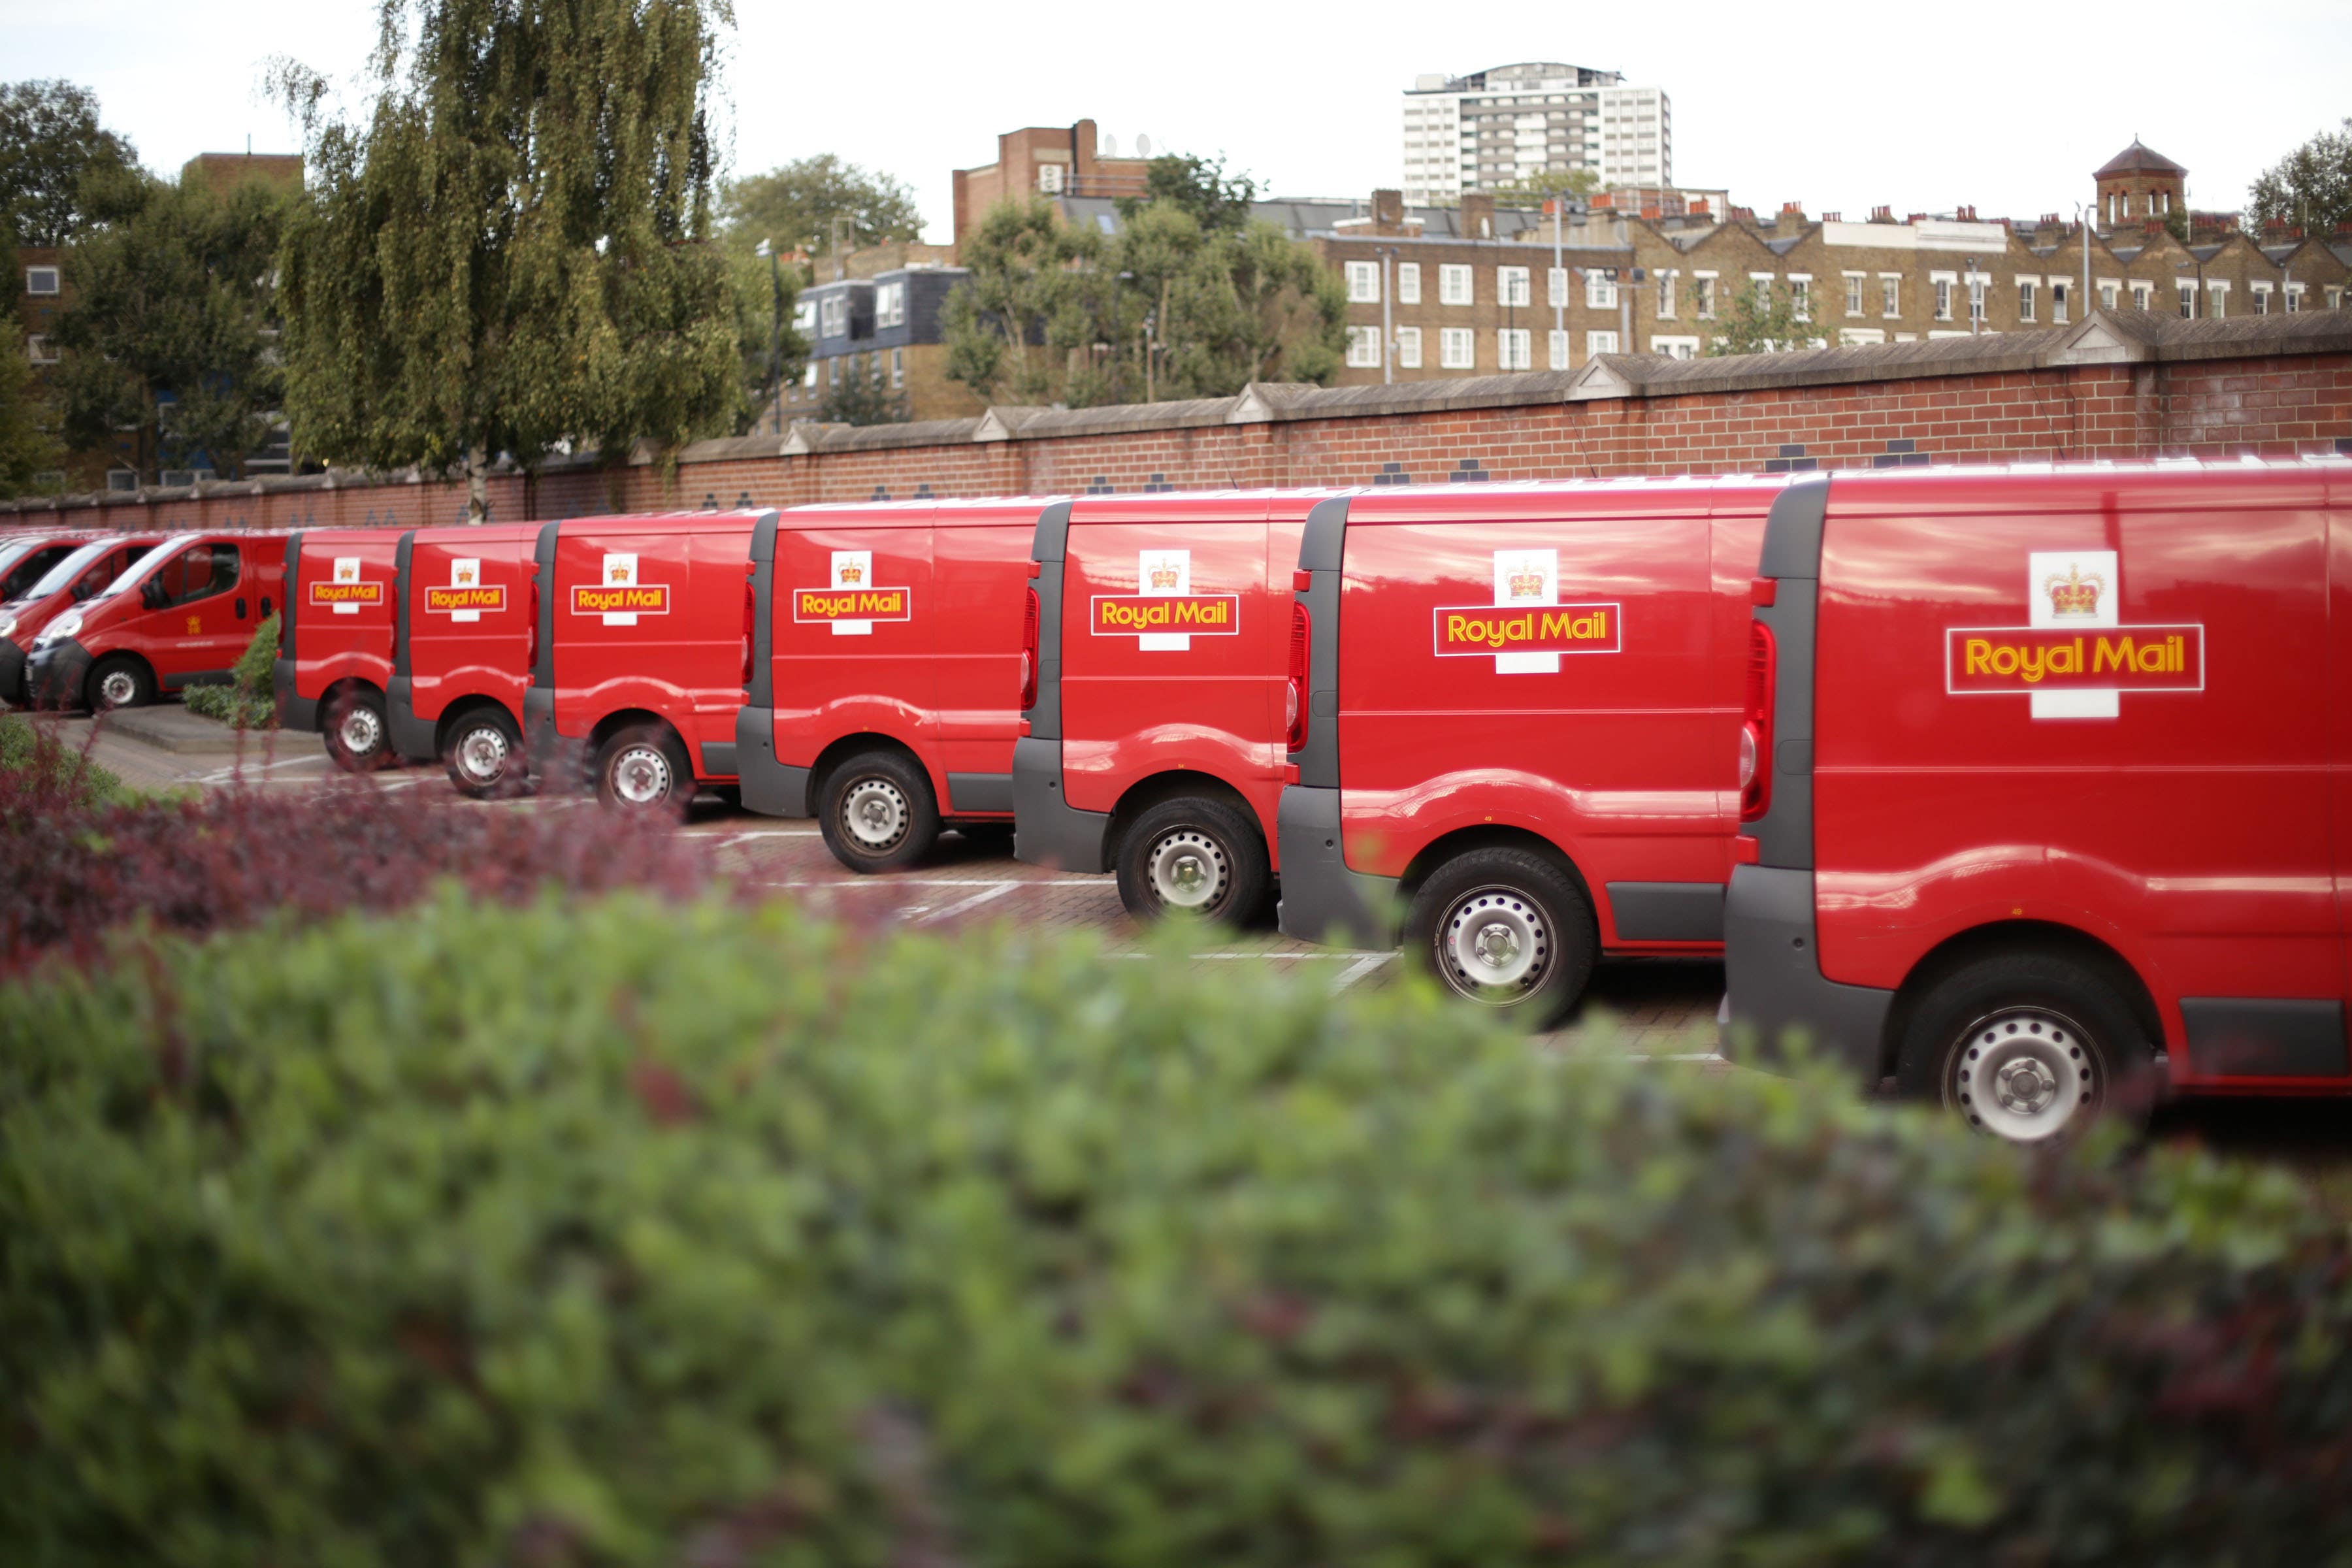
<point x="2133" y="385"/>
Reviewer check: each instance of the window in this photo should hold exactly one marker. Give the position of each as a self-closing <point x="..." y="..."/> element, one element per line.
<point x="891" y="305"/>
<point x="40" y="279"/>
<point x="833" y="313"/>
<point x="898" y="367"/>
<point x="1943" y="282"/>
<point x="1703" y="283"/>
<point x="2026" y="302"/>
<point x="2107" y="291"/>
<point x="1676" y="348"/>
<point x="808" y="377"/>
<point x="2217" y="300"/>
<point x="1511" y="286"/>
<point x="1049" y="179"/>
<point x="1859" y="337"/>
<point x="2058" y="303"/>
<point x="804" y="316"/>
<point x="1854" y="293"/>
<point x="1760" y="286"/>
<point x="1408" y="348"/>
<point x="1457" y="347"/>
<point x="121" y="480"/>
<point x="1800" y="295"/>
<point x="1556" y="286"/>
<point x="2143" y="296"/>
<point x="1363" y="283"/>
<point x="1890" y="295"/>
<point x="2262" y="298"/>
<point x="1556" y="348"/>
<point x="833" y="370"/>
<point x="1600" y="288"/>
<point x="1364" y="347"/>
<point x="2294" y="299"/>
<point x="1667" y="295"/>
<point x="38" y="348"/>
<point x="1408" y="282"/>
<point x="2336" y="298"/>
<point x="1976" y="282"/>
<point x="1452" y="285"/>
<point x="2187" y="300"/>
<point x="1511" y="345"/>
<point x="198" y="572"/>
<point x="1600" y="343"/>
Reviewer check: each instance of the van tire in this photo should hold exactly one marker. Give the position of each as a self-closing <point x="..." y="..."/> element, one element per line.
<point x="877" y="812"/>
<point x="2029" y="1047"/>
<point x="484" y="756"/>
<point x="358" y="736"/>
<point x="121" y="680"/>
<point x="1519" y="915"/>
<point x="644" y="767"/>
<point x="1194" y="858"/>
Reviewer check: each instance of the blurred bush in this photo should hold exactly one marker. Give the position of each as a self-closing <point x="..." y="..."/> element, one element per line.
<point x="633" y="1232"/>
<point x="247" y="701"/>
<point x="51" y="774"/>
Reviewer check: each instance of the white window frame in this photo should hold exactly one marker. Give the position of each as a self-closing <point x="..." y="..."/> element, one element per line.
<point x="2262" y="293"/>
<point x="1599" y="340"/>
<point x="33" y="285"/>
<point x="2216" y="297"/>
<point x="1514" y="348"/>
<point x="1760" y="289"/>
<point x="1051" y="178"/>
<point x="2143" y="295"/>
<point x="890" y="304"/>
<point x="1408" y="348"/>
<point x="1454" y="285"/>
<point x="2294" y="292"/>
<point x="1943" y="292"/>
<point x="1600" y="289"/>
<point x="2029" y="300"/>
<point x="1556" y="286"/>
<point x="39" y="350"/>
<point x="832" y="316"/>
<point x="897" y="369"/>
<point x="1674" y="346"/>
<point x="1853" y="292"/>
<point x="1511" y="287"/>
<point x="1458" y="348"/>
<point x="1408" y="282"/>
<point x="808" y="374"/>
<point x="2185" y="297"/>
<point x="1890" y="295"/>
<point x="1859" y="337"/>
<point x="1667" y="303"/>
<point x="1363" y="348"/>
<point x="1556" y="348"/>
<point x="1800" y="294"/>
<point x="1363" y="284"/>
<point x="1703" y="294"/>
<point x="2062" y="297"/>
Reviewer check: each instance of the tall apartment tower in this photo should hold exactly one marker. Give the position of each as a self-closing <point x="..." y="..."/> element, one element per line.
<point x="1500" y="126"/>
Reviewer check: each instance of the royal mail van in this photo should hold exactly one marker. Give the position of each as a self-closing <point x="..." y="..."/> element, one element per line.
<point x="1155" y="731"/>
<point x="47" y="576"/>
<point x="463" y="607"/>
<point x="179" y="617"/>
<point x="1512" y="714"/>
<point x="2046" y="804"/>
<point x="334" y="642"/>
<point x="639" y="662"/>
<point x="883" y="669"/>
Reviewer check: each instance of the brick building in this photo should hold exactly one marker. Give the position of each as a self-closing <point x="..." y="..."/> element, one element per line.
<point x="880" y="316"/>
<point x="1046" y="161"/>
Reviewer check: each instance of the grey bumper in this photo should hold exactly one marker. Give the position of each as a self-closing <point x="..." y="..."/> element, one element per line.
<point x="12" y="674"/>
<point x="554" y="759"/>
<point x="768" y="787"/>
<point x="1772" y="975"/>
<point x="1322" y="900"/>
<point x="1047" y="831"/>
<point x="294" y="712"/>
<point x="416" y="739"/>
<point x="57" y="674"/>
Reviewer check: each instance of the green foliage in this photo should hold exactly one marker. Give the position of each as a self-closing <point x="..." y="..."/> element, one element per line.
<point x="1197" y="187"/>
<point x="2176" y="224"/>
<point x="250" y="700"/>
<point x="50" y="143"/>
<point x="1755" y="320"/>
<point x="512" y="254"/>
<point x="863" y="395"/>
<point x="29" y="419"/>
<point x="2311" y="187"/>
<point x="71" y="776"/>
<point x="622" y="1234"/>
<point x="1171" y="306"/>
<point x="1548" y="184"/>
<point x="769" y="352"/>
<point x="795" y="206"/>
<point x="171" y="328"/>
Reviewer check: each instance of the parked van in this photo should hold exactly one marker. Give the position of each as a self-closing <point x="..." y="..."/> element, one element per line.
<point x="883" y="671"/>
<point x="76" y="566"/>
<point x="1513" y="710"/>
<point x="334" y="642"/>
<point x="1154" y="746"/>
<point x="25" y="557"/>
<point x="2045" y="785"/>
<point x="463" y="605"/>
<point x="639" y="662"/>
<point x="179" y="617"/>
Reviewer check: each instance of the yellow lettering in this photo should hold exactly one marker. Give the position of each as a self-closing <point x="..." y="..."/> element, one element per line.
<point x="1979" y="656"/>
<point x="2004" y="660"/>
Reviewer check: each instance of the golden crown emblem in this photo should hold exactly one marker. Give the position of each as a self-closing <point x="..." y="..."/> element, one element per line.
<point x="853" y="575"/>
<point x="1163" y="577"/>
<point x="1527" y="584"/>
<point x="620" y="573"/>
<point x="2073" y="595"/>
<point x="465" y="576"/>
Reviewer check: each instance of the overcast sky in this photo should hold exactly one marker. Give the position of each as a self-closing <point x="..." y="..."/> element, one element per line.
<point x="1838" y="105"/>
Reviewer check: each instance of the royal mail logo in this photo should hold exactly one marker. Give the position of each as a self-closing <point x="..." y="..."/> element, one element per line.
<point x="462" y="575"/>
<point x="852" y="575"/>
<point x="1527" y="584"/>
<point x="457" y="601"/>
<point x="618" y="594"/>
<point x="831" y="606"/>
<point x="1469" y="630"/>
<point x="1164" y="578"/>
<point x="1145" y="614"/>
<point x="345" y="598"/>
<point x="2074" y="658"/>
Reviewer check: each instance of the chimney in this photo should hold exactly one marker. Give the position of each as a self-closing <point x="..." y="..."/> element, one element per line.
<point x="1965" y="213"/>
<point x="1833" y="218"/>
<point x="1698" y="208"/>
<point x="1388" y="212"/>
<point x="1882" y="214"/>
<point x="1477" y="215"/>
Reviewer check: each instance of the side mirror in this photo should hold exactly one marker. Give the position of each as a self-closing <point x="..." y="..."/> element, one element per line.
<point x="151" y="593"/>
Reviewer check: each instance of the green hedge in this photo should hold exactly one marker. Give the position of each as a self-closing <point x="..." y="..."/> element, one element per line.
<point x="629" y="1234"/>
<point x="248" y="699"/>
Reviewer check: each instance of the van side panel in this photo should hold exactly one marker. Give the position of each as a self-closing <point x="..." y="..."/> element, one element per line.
<point x="838" y="673"/>
<point x="464" y="629"/>
<point x="980" y="568"/>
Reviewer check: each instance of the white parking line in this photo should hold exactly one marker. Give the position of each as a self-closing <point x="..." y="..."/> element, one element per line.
<point x="974" y="902"/>
<point x="1359" y="968"/>
<point x="850" y="879"/>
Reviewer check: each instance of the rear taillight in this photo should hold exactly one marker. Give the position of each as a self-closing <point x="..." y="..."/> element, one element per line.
<point x="751" y="625"/>
<point x="1029" y="649"/>
<point x="1294" y="701"/>
<point x="1756" y="725"/>
<point x="530" y="628"/>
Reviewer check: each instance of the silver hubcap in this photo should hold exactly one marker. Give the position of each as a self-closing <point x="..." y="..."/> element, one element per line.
<point x="482" y="754"/>
<point x="1189" y="870"/>
<point x="874" y="814"/>
<point x="119" y="687"/>
<point x="362" y="731"/>
<point x="2024" y="1074"/>
<point x="641" y="776"/>
<point x="1493" y="945"/>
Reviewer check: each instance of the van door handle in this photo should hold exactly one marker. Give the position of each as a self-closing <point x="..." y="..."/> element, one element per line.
<point x="240" y="609"/>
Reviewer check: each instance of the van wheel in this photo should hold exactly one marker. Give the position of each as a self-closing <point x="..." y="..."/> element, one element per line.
<point x="1194" y="857"/>
<point x="1507" y="930"/>
<point x="877" y="812"/>
<point x="2028" y="1047"/>
<point x="120" y="681"/>
<point x="358" y="738"/>
<point x="484" y="756"/>
<point x="644" y="768"/>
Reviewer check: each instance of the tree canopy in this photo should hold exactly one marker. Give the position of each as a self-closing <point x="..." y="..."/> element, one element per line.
<point x="794" y="205"/>
<point x="1761" y="320"/>
<point x="51" y="141"/>
<point x="2311" y="187"/>
<point x="1548" y="184"/>
<point x="512" y="253"/>
<point x="28" y="444"/>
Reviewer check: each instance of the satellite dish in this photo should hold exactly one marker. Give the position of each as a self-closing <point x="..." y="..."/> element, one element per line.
<point x="1143" y="146"/>
<point x="1110" y="147"/>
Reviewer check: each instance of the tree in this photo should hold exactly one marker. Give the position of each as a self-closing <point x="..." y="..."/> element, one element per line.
<point x="795" y="205"/>
<point x="1757" y="322"/>
<point x="864" y="396"/>
<point x="2311" y="187"/>
<point x="1022" y="260"/>
<point x="50" y="140"/>
<point x="28" y="444"/>
<point x="1548" y="184"/>
<point x="1201" y="189"/>
<point x="171" y="326"/>
<point x="512" y="254"/>
<point x="769" y="352"/>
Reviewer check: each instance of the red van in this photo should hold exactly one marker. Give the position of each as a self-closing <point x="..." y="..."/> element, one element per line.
<point x="1513" y="715"/>
<point x="48" y="578"/>
<point x="180" y="618"/>
<point x="639" y="661"/>
<point x="884" y="671"/>
<point x="1154" y="745"/>
<point x="334" y="641"/>
<point x="462" y="604"/>
<point x="2049" y="811"/>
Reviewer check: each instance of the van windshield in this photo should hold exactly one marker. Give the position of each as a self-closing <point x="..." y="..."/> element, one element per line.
<point x="15" y="550"/>
<point x="147" y="564"/>
<point x="60" y="577"/>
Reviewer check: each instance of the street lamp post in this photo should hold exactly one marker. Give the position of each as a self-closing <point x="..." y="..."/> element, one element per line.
<point x="775" y="330"/>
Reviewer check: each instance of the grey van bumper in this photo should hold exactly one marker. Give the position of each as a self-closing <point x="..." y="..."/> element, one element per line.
<point x="1047" y="830"/>
<point x="1772" y="975"/>
<point x="768" y="787"/>
<point x="1322" y="900"/>
<point x="416" y="739"/>
<point x="294" y="712"/>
